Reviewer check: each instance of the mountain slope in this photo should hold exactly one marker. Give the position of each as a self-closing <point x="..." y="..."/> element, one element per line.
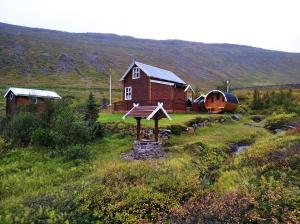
<point x="40" y="52"/>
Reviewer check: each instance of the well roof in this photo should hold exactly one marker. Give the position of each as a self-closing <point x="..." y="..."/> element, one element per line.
<point x="148" y="112"/>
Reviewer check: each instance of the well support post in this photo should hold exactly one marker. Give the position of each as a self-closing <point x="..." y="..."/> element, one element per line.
<point x="138" y="128"/>
<point x="156" y="129"/>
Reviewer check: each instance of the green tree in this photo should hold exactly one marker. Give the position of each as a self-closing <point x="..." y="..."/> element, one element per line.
<point x="92" y="110"/>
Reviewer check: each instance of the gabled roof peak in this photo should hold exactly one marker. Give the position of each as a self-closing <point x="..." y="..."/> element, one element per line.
<point x="155" y="72"/>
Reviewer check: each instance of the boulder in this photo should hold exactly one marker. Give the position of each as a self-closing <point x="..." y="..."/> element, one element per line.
<point x="257" y="118"/>
<point x="235" y="117"/>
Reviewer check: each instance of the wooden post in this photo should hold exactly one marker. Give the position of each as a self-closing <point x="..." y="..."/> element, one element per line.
<point x="138" y="128"/>
<point x="156" y="129"/>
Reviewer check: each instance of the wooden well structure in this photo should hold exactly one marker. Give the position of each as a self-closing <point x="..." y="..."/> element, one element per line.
<point x="147" y="112"/>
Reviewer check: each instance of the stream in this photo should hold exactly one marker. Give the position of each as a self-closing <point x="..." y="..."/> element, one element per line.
<point x="239" y="147"/>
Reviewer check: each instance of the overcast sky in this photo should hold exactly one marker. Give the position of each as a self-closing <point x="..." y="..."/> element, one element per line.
<point x="270" y="24"/>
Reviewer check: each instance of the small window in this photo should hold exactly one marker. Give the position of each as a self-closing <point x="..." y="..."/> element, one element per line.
<point x="128" y="93"/>
<point x="34" y="100"/>
<point x="136" y="73"/>
<point x="212" y="99"/>
<point x="218" y="96"/>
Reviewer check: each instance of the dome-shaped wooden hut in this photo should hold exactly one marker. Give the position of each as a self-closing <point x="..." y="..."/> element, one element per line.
<point x="217" y="101"/>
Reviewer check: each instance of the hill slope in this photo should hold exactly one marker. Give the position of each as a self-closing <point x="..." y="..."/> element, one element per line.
<point x="30" y="52"/>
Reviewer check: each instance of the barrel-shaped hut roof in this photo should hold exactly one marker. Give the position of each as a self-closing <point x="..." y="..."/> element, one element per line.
<point x="229" y="97"/>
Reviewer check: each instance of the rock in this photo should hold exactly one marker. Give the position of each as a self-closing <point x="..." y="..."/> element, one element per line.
<point x="236" y="117"/>
<point x="195" y="126"/>
<point x="147" y="149"/>
<point x="257" y="118"/>
<point x="222" y="120"/>
<point x="190" y="130"/>
<point x="279" y="131"/>
<point x="201" y="124"/>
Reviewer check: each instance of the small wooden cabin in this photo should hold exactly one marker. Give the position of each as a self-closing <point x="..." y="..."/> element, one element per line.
<point x="147" y="85"/>
<point x="198" y="104"/>
<point x="18" y="97"/>
<point x="217" y="101"/>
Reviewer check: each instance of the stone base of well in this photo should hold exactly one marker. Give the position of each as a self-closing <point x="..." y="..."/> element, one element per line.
<point x="145" y="149"/>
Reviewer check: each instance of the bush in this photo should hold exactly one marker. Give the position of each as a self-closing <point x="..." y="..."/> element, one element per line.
<point x="42" y="137"/>
<point x="2" y="145"/>
<point x="257" y="102"/>
<point x="19" y="128"/>
<point x="74" y="152"/>
<point x="57" y="127"/>
<point x="177" y="129"/>
<point x="207" y="161"/>
<point x="268" y="202"/>
<point x="95" y="129"/>
<point x="68" y="128"/>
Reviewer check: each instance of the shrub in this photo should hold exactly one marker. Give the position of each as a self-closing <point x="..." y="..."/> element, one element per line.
<point x="268" y="202"/>
<point x="95" y="129"/>
<point x="177" y="129"/>
<point x="281" y="117"/>
<point x="68" y="128"/>
<point x="207" y="161"/>
<point x="75" y="152"/>
<point x="42" y="137"/>
<point x="2" y="145"/>
<point x="257" y="101"/>
<point x="19" y="128"/>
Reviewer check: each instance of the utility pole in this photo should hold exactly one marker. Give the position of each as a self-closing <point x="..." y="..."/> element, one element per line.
<point x="110" y="87"/>
<point x="227" y="85"/>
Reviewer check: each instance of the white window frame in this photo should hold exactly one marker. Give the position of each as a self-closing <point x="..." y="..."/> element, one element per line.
<point x="128" y="93"/>
<point x="136" y="73"/>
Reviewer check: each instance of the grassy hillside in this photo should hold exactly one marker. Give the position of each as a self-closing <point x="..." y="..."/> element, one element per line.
<point x="51" y="58"/>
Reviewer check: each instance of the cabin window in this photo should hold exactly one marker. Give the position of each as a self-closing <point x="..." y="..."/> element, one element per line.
<point x="218" y="96"/>
<point x="128" y="93"/>
<point x="212" y="99"/>
<point x="34" y="100"/>
<point x="136" y="73"/>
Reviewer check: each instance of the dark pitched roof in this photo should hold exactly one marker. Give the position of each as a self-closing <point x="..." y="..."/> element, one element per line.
<point x="155" y="72"/>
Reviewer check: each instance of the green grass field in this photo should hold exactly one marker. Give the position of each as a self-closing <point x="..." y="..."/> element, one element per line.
<point x="178" y="119"/>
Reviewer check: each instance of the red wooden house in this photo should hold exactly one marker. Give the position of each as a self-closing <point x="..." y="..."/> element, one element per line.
<point x="147" y="85"/>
